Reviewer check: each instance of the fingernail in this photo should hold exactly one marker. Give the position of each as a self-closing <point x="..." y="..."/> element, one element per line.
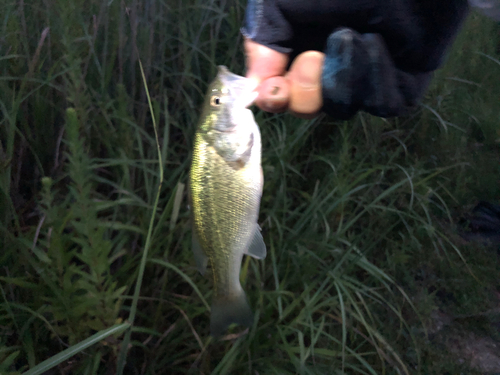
<point x="275" y="90"/>
<point x="274" y="99"/>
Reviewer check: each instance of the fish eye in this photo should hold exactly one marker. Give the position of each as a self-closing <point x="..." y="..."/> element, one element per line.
<point x="215" y="101"/>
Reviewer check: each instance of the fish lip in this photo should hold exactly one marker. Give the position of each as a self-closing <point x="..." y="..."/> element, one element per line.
<point x="242" y="88"/>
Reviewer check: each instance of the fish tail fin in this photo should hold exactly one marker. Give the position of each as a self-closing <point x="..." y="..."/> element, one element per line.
<point x="228" y="310"/>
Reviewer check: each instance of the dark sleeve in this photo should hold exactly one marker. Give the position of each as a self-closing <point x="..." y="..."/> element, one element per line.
<point x="379" y="54"/>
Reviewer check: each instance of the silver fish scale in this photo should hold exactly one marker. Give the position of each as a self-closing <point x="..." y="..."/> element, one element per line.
<point x="225" y="197"/>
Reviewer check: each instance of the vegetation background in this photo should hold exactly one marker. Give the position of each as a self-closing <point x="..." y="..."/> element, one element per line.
<point x="360" y="217"/>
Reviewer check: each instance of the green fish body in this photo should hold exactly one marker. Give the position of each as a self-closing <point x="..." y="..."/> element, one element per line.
<point x="225" y="190"/>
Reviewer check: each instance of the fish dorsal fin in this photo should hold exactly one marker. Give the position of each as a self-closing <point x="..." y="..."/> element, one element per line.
<point x="257" y="247"/>
<point x="200" y="258"/>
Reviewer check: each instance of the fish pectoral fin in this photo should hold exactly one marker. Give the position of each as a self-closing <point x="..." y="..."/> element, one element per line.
<point x="200" y="258"/>
<point x="257" y="247"/>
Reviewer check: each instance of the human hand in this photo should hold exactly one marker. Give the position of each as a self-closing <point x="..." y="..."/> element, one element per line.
<point x="297" y="90"/>
<point x="346" y="55"/>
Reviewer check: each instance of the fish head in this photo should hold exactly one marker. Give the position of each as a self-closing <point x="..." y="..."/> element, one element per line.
<point x="226" y="105"/>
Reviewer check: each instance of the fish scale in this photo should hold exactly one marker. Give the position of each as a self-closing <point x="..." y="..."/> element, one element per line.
<point x="219" y="215"/>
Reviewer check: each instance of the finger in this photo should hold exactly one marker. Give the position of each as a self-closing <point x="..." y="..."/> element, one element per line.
<point x="304" y="78"/>
<point x="267" y="66"/>
<point x="263" y="62"/>
<point x="274" y="94"/>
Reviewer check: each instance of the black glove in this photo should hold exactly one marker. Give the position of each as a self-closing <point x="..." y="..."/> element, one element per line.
<point x="379" y="54"/>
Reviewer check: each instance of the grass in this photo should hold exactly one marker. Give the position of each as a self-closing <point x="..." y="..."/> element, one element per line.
<point x="358" y="216"/>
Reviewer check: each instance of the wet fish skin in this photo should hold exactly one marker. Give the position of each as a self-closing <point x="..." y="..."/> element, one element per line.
<point x="225" y="189"/>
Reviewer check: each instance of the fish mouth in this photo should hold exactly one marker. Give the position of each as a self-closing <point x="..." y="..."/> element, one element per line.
<point x="242" y="88"/>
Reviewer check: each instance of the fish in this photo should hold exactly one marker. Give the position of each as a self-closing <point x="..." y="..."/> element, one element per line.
<point x="225" y="189"/>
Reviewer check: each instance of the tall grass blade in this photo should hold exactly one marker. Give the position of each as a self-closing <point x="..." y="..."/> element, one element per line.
<point x="46" y="365"/>
<point x="122" y="359"/>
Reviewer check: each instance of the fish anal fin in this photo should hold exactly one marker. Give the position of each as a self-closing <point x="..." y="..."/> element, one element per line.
<point x="257" y="247"/>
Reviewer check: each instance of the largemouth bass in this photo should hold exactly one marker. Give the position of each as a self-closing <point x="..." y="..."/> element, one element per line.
<point x="225" y="190"/>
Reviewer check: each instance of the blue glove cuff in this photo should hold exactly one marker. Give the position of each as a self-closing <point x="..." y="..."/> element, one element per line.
<point x="359" y="74"/>
<point x="345" y="74"/>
